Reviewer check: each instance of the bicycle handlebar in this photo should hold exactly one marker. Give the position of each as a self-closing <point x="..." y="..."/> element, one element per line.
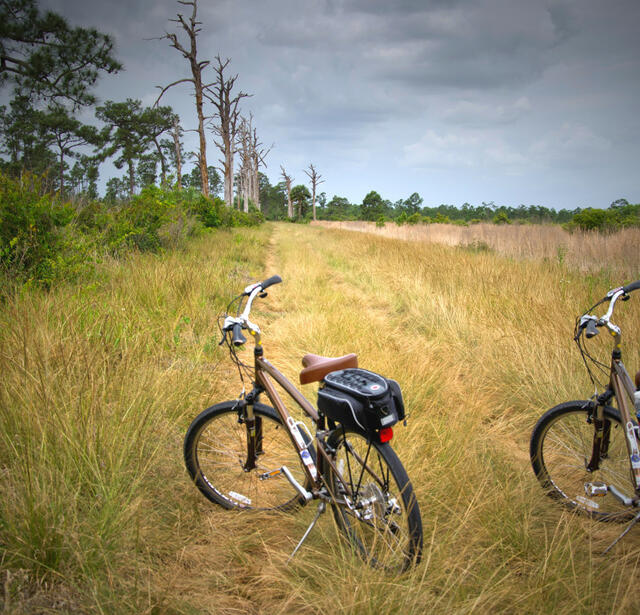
<point x="631" y="287"/>
<point x="237" y="339"/>
<point x="276" y="279"/>
<point x="236" y="324"/>
<point x="592" y="329"/>
<point x="590" y="323"/>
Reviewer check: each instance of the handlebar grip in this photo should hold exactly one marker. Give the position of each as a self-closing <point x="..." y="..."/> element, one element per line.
<point x="237" y="339"/>
<point x="630" y="287"/>
<point x="592" y="330"/>
<point x="275" y="279"/>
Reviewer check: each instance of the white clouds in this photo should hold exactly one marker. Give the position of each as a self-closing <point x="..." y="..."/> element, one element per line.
<point x="462" y="150"/>
<point x="483" y="113"/>
<point x="572" y="144"/>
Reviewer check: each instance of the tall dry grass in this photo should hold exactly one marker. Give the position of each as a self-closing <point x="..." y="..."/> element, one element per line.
<point x="617" y="253"/>
<point x="99" y="384"/>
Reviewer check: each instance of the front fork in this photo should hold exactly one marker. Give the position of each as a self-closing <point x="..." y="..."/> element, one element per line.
<point x="253" y="426"/>
<point x="602" y="432"/>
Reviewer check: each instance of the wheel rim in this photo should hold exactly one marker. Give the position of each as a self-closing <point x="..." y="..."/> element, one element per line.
<point x="375" y="522"/>
<point x="565" y="451"/>
<point x="220" y="456"/>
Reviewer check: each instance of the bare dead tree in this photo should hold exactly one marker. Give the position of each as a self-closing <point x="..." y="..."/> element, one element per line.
<point x="228" y="117"/>
<point x="176" y="133"/>
<point x="252" y="156"/>
<point x="246" y="162"/>
<point x="259" y="153"/>
<point x="316" y="180"/>
<point x="288" y="179"/>
<point x="189" y="51"/>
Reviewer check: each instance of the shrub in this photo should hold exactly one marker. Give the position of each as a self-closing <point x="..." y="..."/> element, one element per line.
<point x="380" y="221"/>
<point x="414" y="218"/>
<point x="501" y="218"/>
<point x="30" y="228"/>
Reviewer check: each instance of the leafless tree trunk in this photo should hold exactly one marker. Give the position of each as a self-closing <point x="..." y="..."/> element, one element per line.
<point x="227" y="114"/>
<point x="176" y="143"/>
<point x="251" y="157"/>
<point x="190" y="53"/>
<point x="288" y="179"/>
<point x="244" y="142"/>
<point x="258" y="154"/>
<point x="314" y="176"/>
<point x="163" y="162"/>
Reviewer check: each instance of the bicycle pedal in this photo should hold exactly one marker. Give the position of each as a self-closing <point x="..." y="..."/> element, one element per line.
<point x="270" y="474"/>
<point x="596" y="489"/>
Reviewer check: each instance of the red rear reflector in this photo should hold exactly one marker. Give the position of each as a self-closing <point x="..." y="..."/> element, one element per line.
<point x="386" y="433"/>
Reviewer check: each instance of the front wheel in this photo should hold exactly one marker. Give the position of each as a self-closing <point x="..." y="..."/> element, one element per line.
<point x="374" y="504"/>
<point x="561" y="448"/>
<point x="215" y="453"/>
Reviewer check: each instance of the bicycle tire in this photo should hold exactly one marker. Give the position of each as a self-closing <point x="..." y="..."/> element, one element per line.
<point x="560" y="449"/>
<point x="215" y="450"/>
<point x="382" y="522"/>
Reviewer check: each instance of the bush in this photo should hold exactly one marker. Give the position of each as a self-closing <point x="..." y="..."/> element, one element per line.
<point x="380" y="222"/>
<point x="616" y="217"/>
<point x="30" y="228"/>
<point x="501" y="218"/>
<point x="44" y="239"/>
<point x="414" y="218"/>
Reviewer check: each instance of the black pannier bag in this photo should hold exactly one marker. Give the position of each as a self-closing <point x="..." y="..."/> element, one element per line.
<point x="361" y="400"/>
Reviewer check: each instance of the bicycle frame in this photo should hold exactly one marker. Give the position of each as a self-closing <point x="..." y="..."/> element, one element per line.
<point x="264" y="372"/>
<point x="621" y="387"/>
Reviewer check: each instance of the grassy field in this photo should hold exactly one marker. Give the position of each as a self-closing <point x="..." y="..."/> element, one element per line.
<point x="99" y="383"/>
<point x="589" y="251"/>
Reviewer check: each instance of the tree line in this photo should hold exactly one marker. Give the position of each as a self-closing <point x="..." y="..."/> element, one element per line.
<point x="296" y="202"/>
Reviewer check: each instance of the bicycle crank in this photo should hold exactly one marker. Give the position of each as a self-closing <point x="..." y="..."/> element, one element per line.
<point x="294" y="483"/>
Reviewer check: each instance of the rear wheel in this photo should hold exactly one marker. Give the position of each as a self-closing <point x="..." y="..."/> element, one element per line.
<point x="561" y="448"/>
<point x="375" y="506"/>
<point x="215" y="453"/>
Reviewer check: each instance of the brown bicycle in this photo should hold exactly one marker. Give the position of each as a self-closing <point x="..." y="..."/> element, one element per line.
<point x="248" y="455"/>
<point x="586" y="453"/>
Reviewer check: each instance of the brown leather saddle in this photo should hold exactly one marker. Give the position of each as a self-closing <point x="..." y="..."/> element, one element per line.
<point x="317" y="367"/>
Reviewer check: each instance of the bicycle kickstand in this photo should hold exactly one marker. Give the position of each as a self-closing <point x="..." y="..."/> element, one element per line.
<point x="321" y="508"/>
<point x="626" y="531"/>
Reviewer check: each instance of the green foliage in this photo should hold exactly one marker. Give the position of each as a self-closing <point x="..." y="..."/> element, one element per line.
<point x="401" y="219"/>
<point x="48" y="59"/>
<point x="372" y="206"/>
<point x="43" y="239"/>
<point x="501" y="218"/>
<point x="412" y="204"/>
<point x="29" y="228"/>
<point x="619" y="215"/>
<point x="130" y="131"/>
<point x="380" y="222"/>
<point x="414" y="218"/>
<point x="301" y="199"/>
<point x="194" y="179"/>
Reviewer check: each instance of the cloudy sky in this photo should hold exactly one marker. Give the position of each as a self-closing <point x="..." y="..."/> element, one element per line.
<point x="511" y="101"/>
